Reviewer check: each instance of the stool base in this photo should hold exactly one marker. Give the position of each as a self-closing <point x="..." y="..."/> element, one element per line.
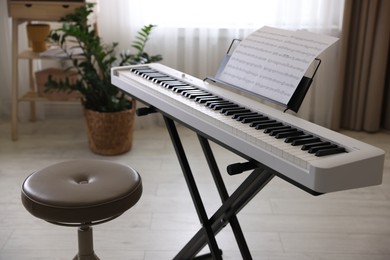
<point x="85" y="240"/>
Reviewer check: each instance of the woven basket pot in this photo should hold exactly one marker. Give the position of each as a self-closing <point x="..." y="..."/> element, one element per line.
<point x="110" y="133"/>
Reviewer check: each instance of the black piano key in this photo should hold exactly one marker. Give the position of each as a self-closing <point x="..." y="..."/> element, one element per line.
<point x="246" y="115"/>
<point x="231" y="110"/>
<point x="294" y="138"/>
<point x="201" y="94"/>
<point x="288" y="134"/>
<point x="159" y="80"/>
<point x="193" y="95"/>
<point x="266" y="124"/>
<point x="239" y="114"/>
<point x="212" y="104"/>
<point x="273" y="129"/>
<point x="321" y="147"/>
<point x="251" y="119"/>
<point x="186" y="92"/>
<point x="308" y="146"/>
<point x="306" y="141"/>
<point x="210" y="98"/>
<point x="153" y="75"/>
<point x="164" y="83"/>
<point x="236" y="109"/>
<point x="171" y="84"/>
<point x="219" y="107"/>
<point x="134" y="70"/>
<point x="205" y="99"/>
<point x="179" y="89"/>
<point x="140" y="70"/>
<point x="330" y="151"/>
<point x="281" y="130"/>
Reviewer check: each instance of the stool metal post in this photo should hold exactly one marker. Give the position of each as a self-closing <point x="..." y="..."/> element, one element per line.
<point x="85" y="244"/>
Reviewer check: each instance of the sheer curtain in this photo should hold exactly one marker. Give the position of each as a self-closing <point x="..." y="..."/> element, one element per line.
<point x="193" y="36"/>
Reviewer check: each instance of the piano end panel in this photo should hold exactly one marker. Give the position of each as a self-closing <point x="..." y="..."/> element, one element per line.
<point x="363" y="172"/>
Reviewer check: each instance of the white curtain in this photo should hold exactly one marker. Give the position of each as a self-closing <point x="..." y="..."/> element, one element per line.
<point x="193" y="36"/>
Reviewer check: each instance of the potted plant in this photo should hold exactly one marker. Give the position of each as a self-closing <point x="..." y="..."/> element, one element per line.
<point x="100" y="99"/>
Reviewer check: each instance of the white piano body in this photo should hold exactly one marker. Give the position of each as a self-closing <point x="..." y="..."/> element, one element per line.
<point x="360" y="166"/>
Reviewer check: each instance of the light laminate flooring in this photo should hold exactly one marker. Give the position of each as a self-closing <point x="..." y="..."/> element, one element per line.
<point x="280" y="223"/>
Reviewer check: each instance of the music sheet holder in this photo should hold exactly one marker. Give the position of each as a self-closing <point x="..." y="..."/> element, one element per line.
<point x="295" y="101"/>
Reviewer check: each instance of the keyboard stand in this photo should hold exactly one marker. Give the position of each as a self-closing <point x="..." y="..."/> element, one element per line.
<point x="231" y="205"/>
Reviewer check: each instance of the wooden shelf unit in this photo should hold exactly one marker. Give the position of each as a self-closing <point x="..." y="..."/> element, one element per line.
<point x="21" y="12"/>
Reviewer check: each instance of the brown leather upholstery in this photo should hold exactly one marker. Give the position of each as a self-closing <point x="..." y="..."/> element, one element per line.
<point x="81" y="191"/>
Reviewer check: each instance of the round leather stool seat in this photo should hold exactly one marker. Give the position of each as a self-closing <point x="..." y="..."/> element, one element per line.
<point x="81" y="191"/>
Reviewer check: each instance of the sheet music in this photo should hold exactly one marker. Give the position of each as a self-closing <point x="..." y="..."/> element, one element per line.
<point x="271" y="62"/>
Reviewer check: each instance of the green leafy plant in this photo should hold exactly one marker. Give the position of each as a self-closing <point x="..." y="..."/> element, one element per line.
<point x="94" y="62"/>
<point x="140" y="57"/>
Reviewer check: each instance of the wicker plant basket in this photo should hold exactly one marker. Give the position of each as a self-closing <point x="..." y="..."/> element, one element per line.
<point x="110" y="133"/>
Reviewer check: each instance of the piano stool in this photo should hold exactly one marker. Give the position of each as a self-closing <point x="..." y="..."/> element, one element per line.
<point x="81" y="193"/>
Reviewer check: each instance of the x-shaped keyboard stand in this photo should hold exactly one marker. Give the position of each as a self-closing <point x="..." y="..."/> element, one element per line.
<point x="231" y="205"/>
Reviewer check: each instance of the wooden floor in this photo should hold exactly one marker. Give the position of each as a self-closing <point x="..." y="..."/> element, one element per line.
<point x="281" y="223"/>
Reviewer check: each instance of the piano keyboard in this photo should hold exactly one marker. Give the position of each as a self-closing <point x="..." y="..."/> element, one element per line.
<point x="296" y="137"/>
<point x="319" y="159"/>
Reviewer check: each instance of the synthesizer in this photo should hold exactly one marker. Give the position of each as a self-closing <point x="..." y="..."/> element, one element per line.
<point x="310" y="155"/>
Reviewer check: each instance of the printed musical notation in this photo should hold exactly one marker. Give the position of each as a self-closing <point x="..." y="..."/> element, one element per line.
<point x="271" y="62"/>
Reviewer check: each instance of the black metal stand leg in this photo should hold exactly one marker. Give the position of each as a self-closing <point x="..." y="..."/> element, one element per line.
<point x="235" y="225"/>
<point x="255" y="182"/>
<point x="206" y="230"/>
